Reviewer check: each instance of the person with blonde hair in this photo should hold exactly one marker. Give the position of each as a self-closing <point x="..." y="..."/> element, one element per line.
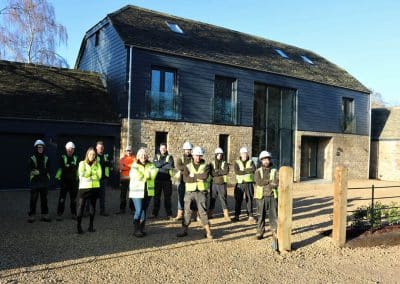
<point x="141" y="189"/>
<point x="89" y="172"/>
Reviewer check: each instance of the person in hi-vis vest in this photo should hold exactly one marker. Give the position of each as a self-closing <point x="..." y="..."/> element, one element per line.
<point x="196" y="177"/>
<point x="244" y="170"/>
<point x="39" y="179"/>
<point x="141" y="189"/>
<point x="67" y="174"/>
<point x="89" y="172"/>
<point x="266" y="179"/>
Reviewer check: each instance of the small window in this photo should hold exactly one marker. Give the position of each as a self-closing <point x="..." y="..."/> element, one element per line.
<point x="307" y="60"/>
<point x="175" y="28"/>
<point x="97" y="38"/>
<point x="224" y="144"/>
<point x="281" y="53"/>
<point x="348" y="116"/>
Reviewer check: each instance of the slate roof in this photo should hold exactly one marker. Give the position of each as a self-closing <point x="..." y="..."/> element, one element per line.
<point x="148" y="29"/>
<point x="36" y="91"/>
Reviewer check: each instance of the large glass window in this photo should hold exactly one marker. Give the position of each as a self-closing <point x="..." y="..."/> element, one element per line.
<point x="348" y="117"/>
<point x="224" y="100"/>
<point x="163" y="99"/>
<point x="273" y="122"/>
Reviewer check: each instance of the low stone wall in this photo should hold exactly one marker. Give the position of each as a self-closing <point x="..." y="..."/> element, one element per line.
<point x="349" y="150"/>
<point x="143" y="133"/>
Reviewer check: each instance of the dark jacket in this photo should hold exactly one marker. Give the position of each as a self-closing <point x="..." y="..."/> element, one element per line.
<point x="186" y="174"/>
<point x="42" y="179"/>
<point x="164" y="165"/>
<point x="245" y="171"/>
<point x="265" y="181"/>
<point x="218" y="172"/>
<point x="70" y="169"/>
<point x="182" y="162"/>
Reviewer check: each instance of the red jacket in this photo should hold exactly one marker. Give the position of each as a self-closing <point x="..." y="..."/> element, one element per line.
<point x="125" y="165"/>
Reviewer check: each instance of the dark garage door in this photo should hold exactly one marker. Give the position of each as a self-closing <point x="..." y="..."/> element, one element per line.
<point x="15" y="150"/>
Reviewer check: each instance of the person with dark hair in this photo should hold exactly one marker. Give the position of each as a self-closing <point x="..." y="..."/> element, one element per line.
<point x="89" y="172"/>
<point x="266" y="179"/>
<point x="39" y="181"/>
<point x="165" y="164"/>
<point x="106" y="166"/>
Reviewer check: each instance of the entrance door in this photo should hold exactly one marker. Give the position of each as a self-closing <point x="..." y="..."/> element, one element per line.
<point x="309" y="157"/>
<point x="273" y="123"/>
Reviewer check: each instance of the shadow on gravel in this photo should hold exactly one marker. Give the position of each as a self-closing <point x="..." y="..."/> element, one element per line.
<point x="24" y="245"/>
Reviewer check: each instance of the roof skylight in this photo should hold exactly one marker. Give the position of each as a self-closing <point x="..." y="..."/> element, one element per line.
<point x="175" y="28"/>
<point x="281" y="53"/>
<point x="307" y="60"/>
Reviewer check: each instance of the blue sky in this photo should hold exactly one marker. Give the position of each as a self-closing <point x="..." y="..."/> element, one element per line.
<point x="361" y="36"/>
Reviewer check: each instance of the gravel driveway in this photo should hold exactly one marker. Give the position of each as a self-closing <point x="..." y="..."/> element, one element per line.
<point x="53" y="252"/>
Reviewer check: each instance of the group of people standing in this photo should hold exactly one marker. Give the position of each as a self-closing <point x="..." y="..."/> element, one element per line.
<point x="200" y="184"/>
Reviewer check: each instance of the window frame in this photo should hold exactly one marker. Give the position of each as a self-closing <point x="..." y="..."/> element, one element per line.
<point x="234" y="101"/>
<point x="348" y="121"/>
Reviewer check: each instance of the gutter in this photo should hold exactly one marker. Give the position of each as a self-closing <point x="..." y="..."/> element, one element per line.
<point x="129" y="95"/>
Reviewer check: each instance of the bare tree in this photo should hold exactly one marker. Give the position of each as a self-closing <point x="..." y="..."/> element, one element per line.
<point x="29" y="33"/>
<point x="377" y="100"/>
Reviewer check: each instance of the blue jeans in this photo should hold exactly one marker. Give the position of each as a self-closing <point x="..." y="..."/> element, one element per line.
<point x="141" y="205"/>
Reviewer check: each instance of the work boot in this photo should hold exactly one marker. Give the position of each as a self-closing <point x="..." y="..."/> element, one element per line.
<point x="210" y="213"/>
<point x="73" y="216"/>
<point x="208" y="232"/>
<point x="252" y="220"/>
<point x="91" y="229"/>
<point x="104" y="214"/>
<point x="79" y="225"/>
<point x="179" y="215"/>
<point x="31" y="219"/>
<point x="120" y="212"/>
<point x="142" y="225"/>
<point x="59" y="217"/>
<point x="235" y="219"/>
<point x="45" y="218"/>
<point x="226" y="215"/>
<point x="137" y="232"/>
<point x="183" y="233"/>
<point x="259" y="236"/>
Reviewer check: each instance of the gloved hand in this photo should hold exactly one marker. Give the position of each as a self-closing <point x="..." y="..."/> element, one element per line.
<point x="35" y="172"/>
<point x="248" y="171"/>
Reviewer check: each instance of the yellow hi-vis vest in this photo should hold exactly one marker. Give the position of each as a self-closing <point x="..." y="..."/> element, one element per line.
<point x="259" y="190"/>
<point x="222" y="166"/>
<point x="106" y="169"/>
<point x="142" y="177"/>
<point x="201" y="185"/>
<point x="245" y="177"/>
<point x="32" y="174"/>
<point x="89" y="175"/>
<point x="65" y="159"/>
<point x="171" y="171"/>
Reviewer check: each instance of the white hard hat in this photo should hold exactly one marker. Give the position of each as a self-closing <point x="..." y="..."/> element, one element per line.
<point x="243" y="150"/>
<point x="219" y="151"/>
<point x="70" y="145"/>
<point x="187" y="146"/>
<point x="264" y="154"/>
<point x="197" y="151"/>
<point x="39" y="142"/>
<point x="128" y="148"/>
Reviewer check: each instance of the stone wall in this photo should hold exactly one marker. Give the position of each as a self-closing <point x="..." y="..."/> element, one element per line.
<point x="143" y="133"/>
<point x="387" y="159"/>
<point x="350" y="150"/>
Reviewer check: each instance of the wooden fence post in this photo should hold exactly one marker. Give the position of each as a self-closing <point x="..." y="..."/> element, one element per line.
<point x="285" y="207"/>
<point x="340" y="206"/>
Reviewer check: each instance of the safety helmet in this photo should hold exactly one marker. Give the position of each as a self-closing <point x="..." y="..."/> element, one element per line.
<point x="128" y="148"/>
<point x="219" y="151"/>
<point x="243" y="150"/>
<point x="197" y="151"/>
<point x="39" y="142"/>
<point x="70" y="145"/>
<point x="187" y="146"/>
<point x="264" y="154"/>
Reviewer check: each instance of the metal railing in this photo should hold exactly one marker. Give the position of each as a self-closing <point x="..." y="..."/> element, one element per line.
<point x="376" y="215"/>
